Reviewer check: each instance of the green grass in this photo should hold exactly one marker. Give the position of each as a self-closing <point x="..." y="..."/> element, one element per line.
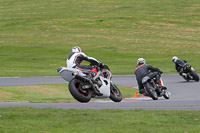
<point x="48" y="120"/>
<point x="37" y="35"/>
<point x="46" y="93"/>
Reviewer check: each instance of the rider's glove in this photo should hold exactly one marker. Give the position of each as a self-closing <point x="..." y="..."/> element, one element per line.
<point x="101" y="64"/>
<point x="160" y="72"/>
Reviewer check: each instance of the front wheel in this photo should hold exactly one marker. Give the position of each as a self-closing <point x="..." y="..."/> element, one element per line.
<point x="166" y="95"/>
<point x="195" y="76"/>
<point x="151" y="91"/>
<point x="75" y="88"/>
<point x="115" y="93"/>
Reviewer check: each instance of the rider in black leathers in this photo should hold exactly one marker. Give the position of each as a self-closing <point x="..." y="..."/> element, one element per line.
<point x="179" y="64"/>
<point x="143" y="70"/>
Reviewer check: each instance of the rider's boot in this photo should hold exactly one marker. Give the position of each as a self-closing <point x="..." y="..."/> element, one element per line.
<point x="143" y="91"/>
<point x="164" y="87"/>
<point x="184" y="75"/>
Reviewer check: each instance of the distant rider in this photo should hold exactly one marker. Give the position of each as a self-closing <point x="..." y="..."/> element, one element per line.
<point x="179" y="64"/>
<point x="143" y="70"/>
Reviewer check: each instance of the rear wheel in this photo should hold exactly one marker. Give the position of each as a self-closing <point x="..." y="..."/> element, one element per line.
<point x="115" y="93"/>
<point x="151" y="91"/>
<point x="186" y="78"/>
<point x="75" y="88"/>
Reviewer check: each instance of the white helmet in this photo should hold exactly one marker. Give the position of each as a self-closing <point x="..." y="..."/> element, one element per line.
<point x="174" y="59"/>
<point x="141" y="61"/>
<point x="76" y="49"/>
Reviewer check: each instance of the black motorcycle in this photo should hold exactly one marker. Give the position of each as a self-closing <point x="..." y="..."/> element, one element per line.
<point x="188" y="73"/>
<point x="153" y="90"/>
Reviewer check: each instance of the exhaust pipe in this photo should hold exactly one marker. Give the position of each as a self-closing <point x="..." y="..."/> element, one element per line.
<point x="84" y="79"/>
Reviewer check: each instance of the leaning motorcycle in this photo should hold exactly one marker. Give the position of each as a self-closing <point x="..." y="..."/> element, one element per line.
<point x="83" y="88"/>
<point x="152" y="89"/>
<point x="189" y="73"/>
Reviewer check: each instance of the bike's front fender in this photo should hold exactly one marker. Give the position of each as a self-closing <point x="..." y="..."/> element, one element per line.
<point x="105" y="88"/>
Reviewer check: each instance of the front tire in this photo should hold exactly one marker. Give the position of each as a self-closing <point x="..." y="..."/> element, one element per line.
<point x="166" y="95"/>
<point x="195" y="76"/>
<point x="115" y="94"/>
<point x="151" y="91"/>
<point x="80" y="95"/>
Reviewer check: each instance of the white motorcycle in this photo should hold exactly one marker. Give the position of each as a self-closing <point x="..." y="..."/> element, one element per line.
<point x="83" y="88"/>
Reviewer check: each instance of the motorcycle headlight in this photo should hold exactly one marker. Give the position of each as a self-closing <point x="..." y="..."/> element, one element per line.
<point x="106" y="74"/>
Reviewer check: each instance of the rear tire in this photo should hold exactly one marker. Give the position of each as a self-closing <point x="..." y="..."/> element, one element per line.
<point x="187" y="79"/>
<point x="151" y="91"/>
<point x="115" y="94"/>
<point x="77" y="92"/>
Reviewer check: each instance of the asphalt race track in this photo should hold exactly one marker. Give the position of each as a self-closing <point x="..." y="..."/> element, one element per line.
<point x="184" y="95"/>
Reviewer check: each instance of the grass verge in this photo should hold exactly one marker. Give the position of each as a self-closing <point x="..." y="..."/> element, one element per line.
<point x="37" y="35"/>
<point x="48" y="120"/>
<point x="45" y="93"/>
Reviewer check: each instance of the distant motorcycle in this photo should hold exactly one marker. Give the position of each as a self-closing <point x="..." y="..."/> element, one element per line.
<point x="152" y="90"/>
<point x="189" y="73"/>
<point x="83" y="88"/>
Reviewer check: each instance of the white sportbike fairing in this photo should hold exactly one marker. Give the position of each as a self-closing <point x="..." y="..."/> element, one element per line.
<point x="83" y="89"/>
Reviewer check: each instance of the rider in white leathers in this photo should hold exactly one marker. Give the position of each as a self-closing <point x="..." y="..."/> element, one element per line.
<point x="77" y="56"/>
<point x="74" y="61"/>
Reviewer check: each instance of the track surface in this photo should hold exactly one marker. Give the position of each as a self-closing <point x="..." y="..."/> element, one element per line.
<point x="184" y="95"/>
